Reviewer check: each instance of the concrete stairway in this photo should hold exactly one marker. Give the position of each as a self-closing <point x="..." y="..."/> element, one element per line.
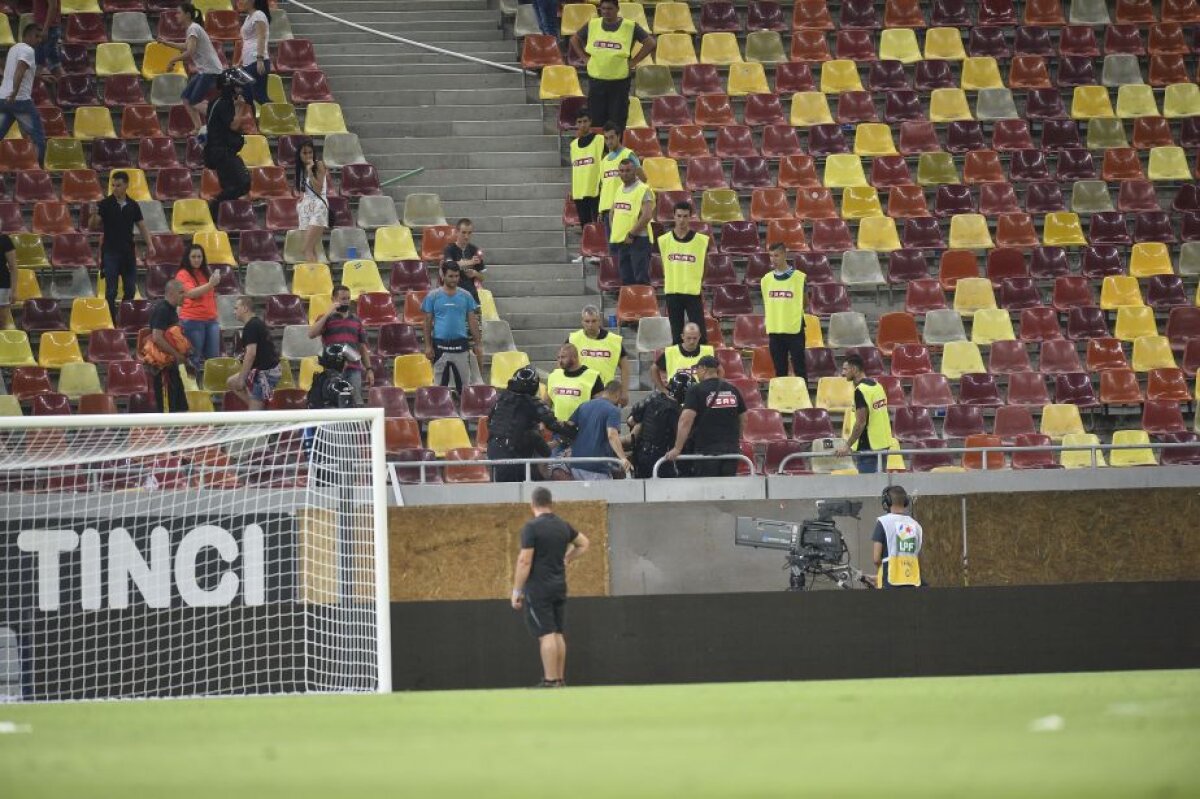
<point x="479" y="135"/>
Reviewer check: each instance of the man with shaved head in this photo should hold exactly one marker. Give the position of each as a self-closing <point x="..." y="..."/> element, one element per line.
<point x="571" y="384"/>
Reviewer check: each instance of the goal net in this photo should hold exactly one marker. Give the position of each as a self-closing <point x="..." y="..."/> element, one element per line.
<point x="193" y="555"/>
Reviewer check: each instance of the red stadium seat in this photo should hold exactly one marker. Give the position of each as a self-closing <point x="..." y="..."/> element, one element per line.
<point x="913" y="424"/>
<point x="477" y="400"/>
<point x="931" y="391"/>
<point x="30" y="381"/>
<point x="126" y="378"/>
<point x="310" y="86"/>
<point x="294" y="55"/>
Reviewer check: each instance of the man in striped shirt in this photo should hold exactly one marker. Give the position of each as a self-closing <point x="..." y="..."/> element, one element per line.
<point x="340" y="326"/>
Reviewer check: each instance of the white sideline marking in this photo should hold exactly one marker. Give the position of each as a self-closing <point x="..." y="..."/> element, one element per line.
<point x="1053" y="723"/>
<point x="11" y="728"/>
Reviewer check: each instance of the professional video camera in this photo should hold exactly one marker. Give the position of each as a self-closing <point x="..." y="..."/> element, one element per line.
<point x="814" y="546"/>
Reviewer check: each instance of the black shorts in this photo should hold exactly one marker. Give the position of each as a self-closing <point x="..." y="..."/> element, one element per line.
<point x="544" y="613"/>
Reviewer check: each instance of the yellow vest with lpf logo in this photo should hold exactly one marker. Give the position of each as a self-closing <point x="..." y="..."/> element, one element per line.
<point x="683" y="262"/>
<point x="677" y="361"/>
<point x="586" y="167"/>
<point x="626" y="208"/>
<point x="601" y="354"/>
<point x="610" y="177"/>
<point x="783" y="302"/>
<point x="568" y="393"/>
<point x="610" y="51"/>
<point x="879" y="425"/>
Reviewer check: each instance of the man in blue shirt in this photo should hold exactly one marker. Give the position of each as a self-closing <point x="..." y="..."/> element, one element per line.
<point x="451" y="330"/>
<point x="599" y="436"/>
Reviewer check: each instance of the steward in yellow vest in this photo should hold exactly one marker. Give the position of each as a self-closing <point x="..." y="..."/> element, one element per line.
<point x="587" y="155"/>
<point x="683" y="356"/>
<point x="872" y="426"/>
<point x="783" y="306"/>
<point x="610" y="177"/>
<point x="683" y="252"/>
<point x="571" y="384"/>
<point x="606" y="45"/>
<point x="600" y="350"/>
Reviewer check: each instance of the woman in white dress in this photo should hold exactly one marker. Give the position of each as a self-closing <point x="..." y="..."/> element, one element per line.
<point x="312" y="179"/>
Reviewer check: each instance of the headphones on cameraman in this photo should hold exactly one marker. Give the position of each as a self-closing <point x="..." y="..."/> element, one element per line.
<point x="886" y="497"/>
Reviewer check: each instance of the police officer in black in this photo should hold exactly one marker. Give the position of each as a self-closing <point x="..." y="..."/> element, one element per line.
<point x="654" y="421"/>
<point x="513" y="426"/>
<point x="223" y="139"/>
<point x="330" y="389"/>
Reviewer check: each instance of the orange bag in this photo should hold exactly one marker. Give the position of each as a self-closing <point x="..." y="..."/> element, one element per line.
<point x="158" y="358"/>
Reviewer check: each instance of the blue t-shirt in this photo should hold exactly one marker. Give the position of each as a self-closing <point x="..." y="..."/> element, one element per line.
<point x="449" y="313"/>
<point x="594" y="418"/>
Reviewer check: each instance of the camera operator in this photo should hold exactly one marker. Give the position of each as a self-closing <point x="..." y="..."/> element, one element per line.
<point x="330" y="388"/>
<point x="340" y="326"/>
<point x="653" y="423"/>
<point x="514" y="426"/>
<point x="897" y="542"/>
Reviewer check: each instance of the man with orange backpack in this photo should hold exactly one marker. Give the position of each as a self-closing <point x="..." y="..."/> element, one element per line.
<point x="166" y="350"/>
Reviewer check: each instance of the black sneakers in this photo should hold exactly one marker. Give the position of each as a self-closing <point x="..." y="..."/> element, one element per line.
<point x="551" y="684"/>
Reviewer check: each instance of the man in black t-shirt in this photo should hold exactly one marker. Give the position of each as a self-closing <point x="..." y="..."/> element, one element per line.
<point x="548" y="544"/>
<point x="8" y="280"/>
<point x="468" y="257"/>
<point x="119" y="215"/>
<point x="169" y="393"/>
<point x="255" y="382"/>
<point x="224" y="141"/>
<point x="712" y="416"/>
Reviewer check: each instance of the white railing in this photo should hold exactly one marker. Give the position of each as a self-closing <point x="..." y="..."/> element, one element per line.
<point x="731" y="456"/>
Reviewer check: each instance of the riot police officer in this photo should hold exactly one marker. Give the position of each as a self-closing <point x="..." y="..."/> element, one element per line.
<point x="513" y="426"/>
<point x="654" y="421"/>
<point x="330" y="389"/>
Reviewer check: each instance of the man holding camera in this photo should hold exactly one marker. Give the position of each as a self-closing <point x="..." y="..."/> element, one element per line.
<point x="896" y="542"/>
<point x="340" y="326"/>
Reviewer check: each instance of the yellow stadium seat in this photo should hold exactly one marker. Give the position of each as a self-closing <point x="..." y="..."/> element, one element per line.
<point x="1061" y="420"/>
<point x="115" y="58"/>
<point x="720" y="205"/>
<point x="318" y="306"/>
<point x="973" y="294"/>
<point x="64" y="153"/>
<point x="576" y="16"/>
<point x="81" y="7"/>
<point x="899" y="44"/>
<point x="286" y="378"/>
<point x="990" y="325"/>
<point x="949" y="105"/>
<point x="322" y="119"/>
<point x="637" y="117"/>
<point x="362" y="275"/>
<point x="860" y="202"/>
<point x="191" y="216"/>
<point x="970" y="232"/>
<point x="216" y="246"/>
<point x="308" y="368"/>
<point x="961" y="357"/>
<point x="395" y="243"/>
<point x="1091" y="102"/>
<point x="93" y="122"/>
<point x="844" y="169"/>
<point x="77" y="379"/>
<point x="1133" y="322"/>
<point x="1136" y="100"/>
<point x="1062" y="229"/>
<point x="749" y="78"/>
<point x="88" y="314"/>
<point x="27" y="287"/>
<point x="719" y="48"/>
<point x="444" y="435"/>
<point x="878" y="233"/>
<point x="765" y="47"/>
<point x="675" y="50"/>
<point x="277" y="119"/>
<point x="256" y="151"/>
<point x="835" y="394"/>
<point x="1150" y="258"/>
<point x="15" y="350"/>
<point x="936" y="169"/>
<point x="634" y="12"/>
<point x="662" y="174"/>
<point x="1168" y="163"/>
<point x="944" y="44"/>
<point x="154" y="61"/>
<point x="653" y="80"/>
<point x="412" y="371"/>
<point x="1118" y="290"/>
<point x="1181" y="100"/>
<point x="6" y="34"/>
<point x="217" y="372"/>
<point x="1132" y="457"/>
<point x="30" y="252"/>
<point x="981" y="72"/>
<point x="874" y="138"/>
<point x="1080" y="459"/>
<point x="810" y="108"/>
<point x="310" y="279"/>
<point x="200" y="401"/>
<point x="204" y="6"/>
<point x="139" y="189"/>
<point x="1152" y="352"/>
<point x="813" y="335"/>
<point x="788" y="394"/>
<point x="840" y="75"/>
<point x="275" y="91"/>
<point x="9" y="405"/>
<point x="487" y="306"/>
<point x="505" y="364"/>
<point x="673" y="18"/>
<point x="559" y="81"/>
<point x="57" y="347"/>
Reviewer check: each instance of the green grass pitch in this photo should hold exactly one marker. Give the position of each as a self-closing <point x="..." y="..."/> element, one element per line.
<point x="1060" y="735"/>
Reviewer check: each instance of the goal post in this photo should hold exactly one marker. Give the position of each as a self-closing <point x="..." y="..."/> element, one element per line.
<point x="205" y="554"/>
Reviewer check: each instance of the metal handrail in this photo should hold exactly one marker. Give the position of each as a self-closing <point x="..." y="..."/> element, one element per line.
<point x="528" y="463"/>
<point x="730" y="456"/>
<point x="880" y="454"/>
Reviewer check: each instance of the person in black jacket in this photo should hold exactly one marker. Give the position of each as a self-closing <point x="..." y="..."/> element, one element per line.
<point x="223" y="139"/>
<point x="654" y="422"/>
<point x="513" y="426"/>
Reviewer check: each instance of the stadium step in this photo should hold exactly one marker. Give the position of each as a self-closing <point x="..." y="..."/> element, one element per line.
<point x="470" y="144"/>
<point x="419" y="184"/>
<point x="398" y="162"/>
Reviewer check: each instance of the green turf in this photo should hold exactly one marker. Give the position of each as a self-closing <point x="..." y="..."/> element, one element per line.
<point x="1123" y="735"/>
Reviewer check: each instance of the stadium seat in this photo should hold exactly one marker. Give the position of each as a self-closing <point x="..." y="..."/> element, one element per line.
<point x="444" y="435"/>
<point x="89" y="314"/>
<point x="1152" y="352"/>
<point x="1133" y="322"/>
<point x="115" y="58"/>
<point x="1131" y="457"/>
<point x="835" y="394"/>
<point x="323" y="119"/>
<point x="58" y="347"/>
<point x="1059" y="420"/>
<point x="1161" y="417"/>
<point x="931" y="390"/>
<point x="983" y="460"/>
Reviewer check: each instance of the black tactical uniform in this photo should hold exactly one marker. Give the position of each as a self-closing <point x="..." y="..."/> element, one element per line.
<point x="513" y="426"/>
<point x="658" y="416"/>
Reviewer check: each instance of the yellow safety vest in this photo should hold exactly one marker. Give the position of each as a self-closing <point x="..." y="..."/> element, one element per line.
<point x="904" y="537"/>
<point x="601" y="354"/>
<point x="568" y="393"/>
<point x="677" y="361"/>
<point x="683" y="262"/>
<point x="610" y="51"/>
<point x="610" y="178"/>
<point x="783" y="302"/>
<point x="586" y="167"/>
<point x="879" y="425"/>
<point x="626" y="208"/>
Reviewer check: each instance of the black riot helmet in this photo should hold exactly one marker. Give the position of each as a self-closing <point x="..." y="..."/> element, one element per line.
<point x="524" y="381"/>
<point x="678" y="385"/>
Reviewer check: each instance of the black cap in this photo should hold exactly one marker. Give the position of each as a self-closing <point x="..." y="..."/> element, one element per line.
<point x="709" y="362"/>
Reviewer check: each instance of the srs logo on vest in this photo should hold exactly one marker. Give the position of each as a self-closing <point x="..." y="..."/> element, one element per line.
<point x="586" y="353"/>
<point x="780" y="294"/>
<point x="588" y="161"/>
<point x="683" y="257"/>
<point x="600" y="44"/>
<point x="566" y="391"/>
<point x="620" y="205"/>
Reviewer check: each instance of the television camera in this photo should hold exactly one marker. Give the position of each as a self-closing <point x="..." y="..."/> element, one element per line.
<point x="815" y="547"/>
